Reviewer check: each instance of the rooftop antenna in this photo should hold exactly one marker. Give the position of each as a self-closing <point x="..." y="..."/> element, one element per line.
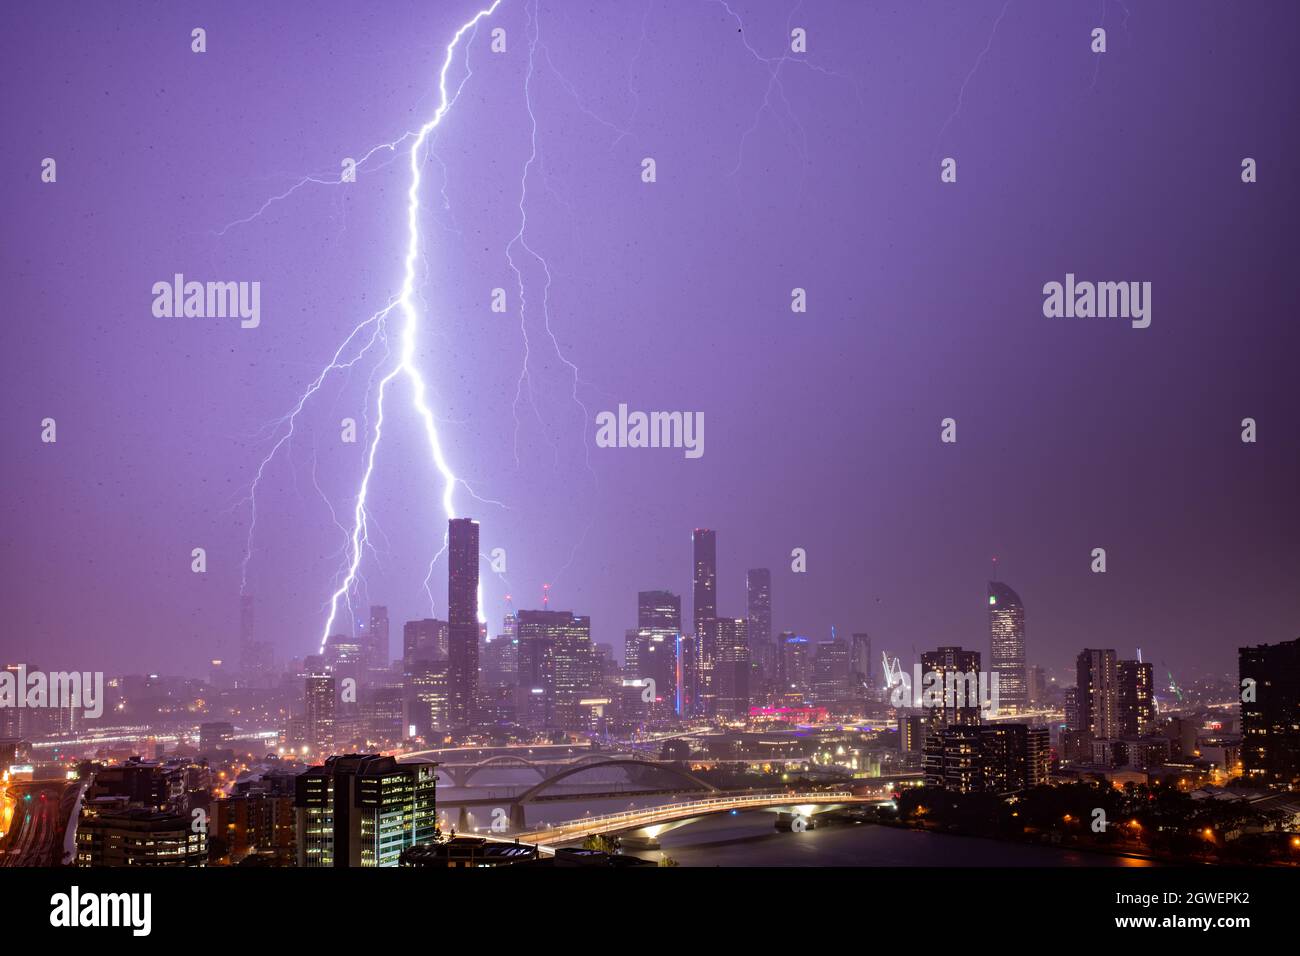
<point x="546" y="596"/>
<point x="995" y="567"/>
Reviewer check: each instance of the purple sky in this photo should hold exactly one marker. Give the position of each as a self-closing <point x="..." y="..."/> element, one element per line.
<point x="822" y="429"/>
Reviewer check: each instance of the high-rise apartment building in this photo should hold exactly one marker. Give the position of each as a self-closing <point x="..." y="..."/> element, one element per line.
<point x="1270" y="713"/>
<point x="1097" y="694"/>
<point x="1136" y="701"/>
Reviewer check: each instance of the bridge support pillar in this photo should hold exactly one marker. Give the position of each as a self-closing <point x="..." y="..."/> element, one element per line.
<point x="639" y="840"/>
<point x="517" y="819"/>
<point x="793" y="822"/>
<point x="462" y="820"/>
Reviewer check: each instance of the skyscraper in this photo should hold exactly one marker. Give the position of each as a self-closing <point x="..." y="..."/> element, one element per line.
<point x="758" y="589"/>
<point x="730" y="679"/>
<point x="654" y="647"/>
<point x="320" y="696"/>
<point x="704" y="594"/>
<point x="1007" y="646"/>
<point x="424" y="640"/>
<point x="462" y="620"/>
<point x="1097" y="698"/>
<point x="557" y="668"/>
<point x="376" y="648"/>
<point x="832" y="676"/>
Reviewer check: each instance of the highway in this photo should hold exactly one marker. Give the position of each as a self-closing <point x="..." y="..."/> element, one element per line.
<point x="40" y="819"/>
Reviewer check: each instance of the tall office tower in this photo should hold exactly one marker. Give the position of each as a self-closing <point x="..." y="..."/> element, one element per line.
<point x="704" y="594"/>
<point x="860" y="665"/>
<point x="1136" y="707"/>
<point x="1270" y="718"/>
<point x="423" y="640"/>
<point x="1097" y="699"/>
<point x="758" y="589"/>
<point x="793" y="670"/>
<point x="1007" y="646"/>
<point x="247" y="639"/>
<point x="557" y="663"/>
<point x="962" y="668"/>
<point x="344" y="656"/>
<point x="320" y="693"/>
<point x="500" y="661"/>
<point x="426" y="697"/>
<point x="704" y="606"/>
<point x="462" y="620"/>
<point x="363" y="810"/>
<point x="688" y="675"/>
<point x="832" y="676"/>
<point x="254" y="655"/>
<point x="377" y="640"/>
<point x="659" y="627"/>
<point x="728" y="636"/>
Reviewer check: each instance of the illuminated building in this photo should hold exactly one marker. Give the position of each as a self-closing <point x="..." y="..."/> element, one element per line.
<point x="256" y="822"/>
<point x="730" y="641"/>
<point x="423" y="640"/>
<point x="1135" y="705"/>
<point x="462" y="620"/>
<point x="1097" y="695"/>
<point x="793" y="669"/>
<point x="1013" y="757"/>
<point x="1007" y="646"/>
<point x="557" y="669"/>
<point x="321" y="692"/>
<point x="758" y="609"/>
<point x="951" y="663"/>
<point x="428" y="698"/>
<point x="375" y="651"/>
<point x="1270" y="713"/>
<point x="952" y="738"/>
<point x="704" y="606"/>
<point x="363" y="810"/>
<point x="832" y="676"/>
<point x="140" y="836"/>
<point x="654" y="647"/>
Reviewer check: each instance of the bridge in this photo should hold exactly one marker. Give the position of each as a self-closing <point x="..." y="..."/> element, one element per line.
<point x="461" y="773"/>
<point x="642" y="828"/>
<point x="513" y="803"/>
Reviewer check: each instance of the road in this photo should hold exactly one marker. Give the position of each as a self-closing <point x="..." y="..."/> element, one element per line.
<point x="40" y="819"/>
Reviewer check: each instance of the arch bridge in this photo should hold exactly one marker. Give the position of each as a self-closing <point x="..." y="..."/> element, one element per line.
<point x="642" y="828"/>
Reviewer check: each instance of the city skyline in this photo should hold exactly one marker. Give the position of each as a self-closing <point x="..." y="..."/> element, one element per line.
<point x="824" y="425"/>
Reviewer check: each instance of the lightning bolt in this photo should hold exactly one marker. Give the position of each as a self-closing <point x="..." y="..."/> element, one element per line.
<point x="961" y="93"/>
<point x="361" y="340"/>
<point x="533" y="25"/>
<point x="405" y="365"/>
